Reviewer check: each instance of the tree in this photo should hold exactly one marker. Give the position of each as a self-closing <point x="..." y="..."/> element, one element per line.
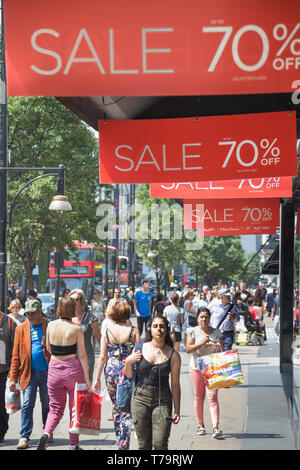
<point x="44" y="133"/>
<point x="169" y="251"/>
<point x="220" y="259"/>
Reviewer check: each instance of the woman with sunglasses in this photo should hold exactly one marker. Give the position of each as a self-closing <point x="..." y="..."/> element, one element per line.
<point x="151" y="403"/>
<point x="203" y="340"/>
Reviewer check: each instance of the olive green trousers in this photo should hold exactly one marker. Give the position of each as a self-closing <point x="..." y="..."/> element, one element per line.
<point x="152" y="417"/>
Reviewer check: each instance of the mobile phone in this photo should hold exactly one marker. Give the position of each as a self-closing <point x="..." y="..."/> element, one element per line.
<point x="138" y="346"/>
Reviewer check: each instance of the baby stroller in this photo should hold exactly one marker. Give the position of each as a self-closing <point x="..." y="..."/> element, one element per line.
<point x="257" y="332"/>
<point x="249" y="331"/>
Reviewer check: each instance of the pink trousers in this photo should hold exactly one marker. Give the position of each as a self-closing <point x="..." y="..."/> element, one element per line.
<point x="62" y="376"/>
<point x="212" y="396"/>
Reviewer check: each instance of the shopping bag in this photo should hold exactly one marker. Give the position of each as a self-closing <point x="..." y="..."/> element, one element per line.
<point x="12" y="400"/>
<point x="222" y="369"/>
<point x="86" y="410"/>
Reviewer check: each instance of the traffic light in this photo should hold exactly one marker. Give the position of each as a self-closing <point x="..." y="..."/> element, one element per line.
<point x="123" y="264"/>
<point x="57" y="259"/>
<point x="138" y="264"/>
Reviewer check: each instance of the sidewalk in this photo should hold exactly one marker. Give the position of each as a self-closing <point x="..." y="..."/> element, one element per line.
<point x="253" y="416"/>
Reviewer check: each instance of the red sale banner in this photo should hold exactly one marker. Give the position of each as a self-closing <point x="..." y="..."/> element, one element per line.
<point x="232" y="217"/>
<point x="206" y="148"/>
<point x="246" y="188"/>
<point x="142" y="48"/>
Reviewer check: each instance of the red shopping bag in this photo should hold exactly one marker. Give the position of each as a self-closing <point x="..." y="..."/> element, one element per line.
<point x="86" y="411"/>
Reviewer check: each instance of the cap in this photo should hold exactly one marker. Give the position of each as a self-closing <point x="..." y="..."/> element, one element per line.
<point x="224" y="292"/>
<point x="32" y="305"/>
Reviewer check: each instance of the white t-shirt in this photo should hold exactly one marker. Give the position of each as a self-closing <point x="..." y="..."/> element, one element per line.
<point x="207" y="348"/>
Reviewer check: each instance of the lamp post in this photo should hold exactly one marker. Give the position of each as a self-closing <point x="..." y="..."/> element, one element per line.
<point x="59" y="203"/>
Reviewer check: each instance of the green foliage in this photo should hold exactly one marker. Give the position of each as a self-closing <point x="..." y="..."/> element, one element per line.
<point x="44" y="133"/>
<point x="220" y="258"/>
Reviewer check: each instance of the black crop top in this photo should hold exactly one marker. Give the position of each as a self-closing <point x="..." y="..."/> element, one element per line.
<point x="57" y="350"/>
<point x="154" y="375"/>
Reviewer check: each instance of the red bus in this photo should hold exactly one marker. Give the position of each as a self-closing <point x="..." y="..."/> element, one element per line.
<point x="189" y="280"/>
<point x="85" y="269"/>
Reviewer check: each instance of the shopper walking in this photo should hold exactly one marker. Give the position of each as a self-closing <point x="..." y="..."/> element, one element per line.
<point x="142" y="306"/>
<point x="30" y="365"/>
<point x="68" y="365"/>
<point x="190" y="313"/>
<point x="175" y="317"/>
<point x="259" y="303"/>
<point x="218" y="312"/>
<point x="89" y="325"/>
<point x="7" y="332"/>
<point x="117" y="344"/>
<point x="203" y="340"/>
<point x="15" y="315"/>
<point x="152" y="399"/>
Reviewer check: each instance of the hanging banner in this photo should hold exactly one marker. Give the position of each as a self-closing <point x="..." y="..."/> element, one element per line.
<point x="142" y="48"/>
<point x="232" y="217"/>
<point x="198" y="149"/>
<point x="246" y="188"/>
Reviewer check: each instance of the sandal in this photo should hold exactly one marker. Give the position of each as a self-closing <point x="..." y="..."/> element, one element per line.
<point x="217" y="433"/>
<point x="201" y="430"/>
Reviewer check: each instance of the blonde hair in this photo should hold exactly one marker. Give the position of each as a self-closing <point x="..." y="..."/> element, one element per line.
<point x="81" y="295"/>
<point x="15" y="303"/>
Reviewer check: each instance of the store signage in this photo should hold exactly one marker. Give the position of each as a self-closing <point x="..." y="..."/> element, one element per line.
<point x="198" y="149"/>
<point x="245" y="188"/>
<point x="143" y="48"/>
<point x="232" y="217"/>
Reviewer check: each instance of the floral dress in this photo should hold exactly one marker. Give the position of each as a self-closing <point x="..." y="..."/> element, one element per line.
<point x="117" y="354"/>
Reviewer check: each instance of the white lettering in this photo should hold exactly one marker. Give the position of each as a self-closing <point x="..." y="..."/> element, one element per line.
<point x="124" y="158"/>
<point x="153" y="162"/>
<point x="112" y="57"/>
<point x="46" y="52"/>
<point x="146" y="51"/>
<point x="178" y="184"/>
<point x="190" y="156"/>
<point x="83" y="34"/>
<point x="164" y="161"/>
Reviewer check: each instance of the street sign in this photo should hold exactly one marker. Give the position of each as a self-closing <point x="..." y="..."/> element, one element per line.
<point x="198" y="149"/>
<point x="143" y="48"/>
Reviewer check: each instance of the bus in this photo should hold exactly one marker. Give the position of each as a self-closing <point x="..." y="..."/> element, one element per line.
<point x="85" y="269"/>
<point x="189" y="280"/>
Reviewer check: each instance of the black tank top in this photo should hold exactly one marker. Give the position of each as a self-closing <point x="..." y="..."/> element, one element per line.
<point x="57" y="350"/>
<point x="154" y="375"/>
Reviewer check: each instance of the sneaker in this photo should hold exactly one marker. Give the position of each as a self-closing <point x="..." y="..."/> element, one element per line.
<point x="75" y="447"/>
<point x="43" y="442"/>
<point x="217" y="433"/>
<point x="23" y="443"/>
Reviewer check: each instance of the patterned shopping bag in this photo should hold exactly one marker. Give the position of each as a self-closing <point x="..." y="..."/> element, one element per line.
<point x="221" y="369"/>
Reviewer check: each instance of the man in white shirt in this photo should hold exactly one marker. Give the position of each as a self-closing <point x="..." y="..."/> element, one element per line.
<point x="218" y="311"/>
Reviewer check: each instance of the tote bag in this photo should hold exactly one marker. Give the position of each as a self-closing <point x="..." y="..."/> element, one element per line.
<point x="222" y="369"/>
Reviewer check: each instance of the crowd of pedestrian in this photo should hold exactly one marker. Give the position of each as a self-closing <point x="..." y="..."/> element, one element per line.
<point x="53" y="356"/>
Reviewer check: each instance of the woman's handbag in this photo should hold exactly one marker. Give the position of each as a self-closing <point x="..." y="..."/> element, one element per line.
<point x="192" y="321"/>
<point x="222" y="369"/>
<point x="125" y="388"/>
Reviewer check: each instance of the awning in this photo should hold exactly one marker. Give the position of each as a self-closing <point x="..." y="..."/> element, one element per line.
<point x="272" y="265"/>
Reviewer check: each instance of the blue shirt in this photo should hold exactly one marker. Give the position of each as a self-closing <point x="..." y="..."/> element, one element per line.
<point x="143" y="303"/>
<point x="38" y="360"/>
